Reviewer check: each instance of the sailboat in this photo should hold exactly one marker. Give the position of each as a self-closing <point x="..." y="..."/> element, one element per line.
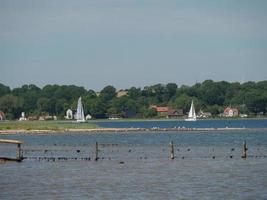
<point x="80" y="113"/>
<point x="192" y="113"/>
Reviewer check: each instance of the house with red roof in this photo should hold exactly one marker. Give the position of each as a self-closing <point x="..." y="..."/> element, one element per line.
<point x="168" y="112"/>
<point x="230" y="112"/>
<point x="161" y="110"/>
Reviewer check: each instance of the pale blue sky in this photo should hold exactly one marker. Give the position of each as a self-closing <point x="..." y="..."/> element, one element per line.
<point x="93" y="43"/>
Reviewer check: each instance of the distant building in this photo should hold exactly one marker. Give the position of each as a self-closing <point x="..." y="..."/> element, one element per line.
<point x="32" y="118"/>
<point x="22" y="118"/>
<point x="161" y="110"/>
<point x="202" y="114"/>
<point x="175" y="113"/>
<point x="230" y="112"/>
<point x="167" y="112"/>
<point x="41" y="118"/>
<point x="47" y="117"/>
<point x="69" y="114"/>
<point x="88" y="117"/>
<point x="2" y="115"/>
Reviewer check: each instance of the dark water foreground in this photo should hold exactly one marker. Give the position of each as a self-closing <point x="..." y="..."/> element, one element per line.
<point x="207" y="165"/>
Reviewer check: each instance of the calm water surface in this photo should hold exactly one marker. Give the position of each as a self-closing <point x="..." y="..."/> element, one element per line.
<point x="245" y="123"/>
<point x="202" y="168"/>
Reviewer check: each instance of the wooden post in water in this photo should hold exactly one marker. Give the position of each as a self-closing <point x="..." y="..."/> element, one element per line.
<point x="96" y="151"/>
<point x="171" y="150"/>
<point x="244" y="150"/>
<point x="19" y="155"/>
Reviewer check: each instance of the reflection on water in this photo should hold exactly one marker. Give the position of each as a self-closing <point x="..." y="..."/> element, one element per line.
<point x="137" y="166"/>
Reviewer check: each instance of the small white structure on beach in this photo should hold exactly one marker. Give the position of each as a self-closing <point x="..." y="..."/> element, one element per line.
<point x="22" y="118"/>
<point x="88" y="117"/>
<point x="69" y="114"/>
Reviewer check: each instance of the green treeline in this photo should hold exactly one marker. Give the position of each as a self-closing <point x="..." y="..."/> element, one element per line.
<point x="209" y="96"/>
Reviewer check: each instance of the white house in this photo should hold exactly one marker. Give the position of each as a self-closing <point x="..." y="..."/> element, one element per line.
<point x="88" y="117"/>
<point x="22" y="118"/>
<point x="230" y="112"/>
<point x="69" y="114"/>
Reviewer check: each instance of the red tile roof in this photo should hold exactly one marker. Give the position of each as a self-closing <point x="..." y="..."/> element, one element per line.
<point x="227" y="110"/>
<point x="162" y="109"/>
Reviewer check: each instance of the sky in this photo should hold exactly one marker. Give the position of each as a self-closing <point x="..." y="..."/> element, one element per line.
<point x="125" y="43"/>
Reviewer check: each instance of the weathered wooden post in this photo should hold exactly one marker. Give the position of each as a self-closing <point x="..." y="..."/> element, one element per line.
<point x="171" y="150"/>
<point x="96" y="151"/>
<point x="19" y="154"/>
<point x="244" y="150"/>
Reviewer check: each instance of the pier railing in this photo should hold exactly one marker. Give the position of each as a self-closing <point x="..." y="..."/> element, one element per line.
<point x="19" y="156"/>
<point x="122" y="152"/>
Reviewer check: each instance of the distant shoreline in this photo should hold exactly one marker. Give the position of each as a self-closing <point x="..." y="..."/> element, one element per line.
<point x="142" y="119"/>
<point x="121" y="130"/>
<point x="174" y="119"/>
<point x="94" y="126"/>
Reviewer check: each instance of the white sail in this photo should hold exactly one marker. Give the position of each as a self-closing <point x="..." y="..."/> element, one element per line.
<point x="80" y="113"/>
<point x="192" y="113"/>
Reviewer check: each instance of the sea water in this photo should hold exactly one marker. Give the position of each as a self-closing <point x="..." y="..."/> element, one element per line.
<point x="207" y="123"/>
<point x="207" y="165"/>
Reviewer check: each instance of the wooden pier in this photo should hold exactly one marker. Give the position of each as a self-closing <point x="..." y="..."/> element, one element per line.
<point x="19" y="157"/>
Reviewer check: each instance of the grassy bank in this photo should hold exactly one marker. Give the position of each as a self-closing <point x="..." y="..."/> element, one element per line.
<point x="45" y="125"/>
<point x="63" y="125"/>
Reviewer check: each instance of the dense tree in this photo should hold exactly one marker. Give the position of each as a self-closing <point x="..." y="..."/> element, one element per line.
<point x="43" y="105"/>
<point x="4" y="90"/>
<point x="134" y="93"/>
<point x="149" y="113"/>
<point x="181" y="102"/>
<point x="171" y="89"/>
<point x="11" y="105"/>
<point x="108" y="93"/>
<point x="213" y="92"/>
<point x="210" y="96"/>
<point x="256" y="101"/>
<point x="91" y="94"/>
<point x="99" y="108"/>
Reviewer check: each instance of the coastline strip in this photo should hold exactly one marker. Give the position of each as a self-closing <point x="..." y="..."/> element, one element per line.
<point x="115" y="130"/>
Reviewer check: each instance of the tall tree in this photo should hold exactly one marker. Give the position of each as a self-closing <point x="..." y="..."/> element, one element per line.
<point x="4" y="90"/>
<point x="11" y="105"/>
<point x="108" y="93"/>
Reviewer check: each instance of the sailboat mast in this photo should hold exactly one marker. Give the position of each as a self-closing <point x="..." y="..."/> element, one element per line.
<point x="80" y="112"/>
<point x="192" y="113"/>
